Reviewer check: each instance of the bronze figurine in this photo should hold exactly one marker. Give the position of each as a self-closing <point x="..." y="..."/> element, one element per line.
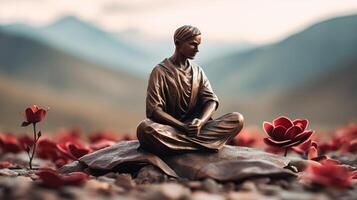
<point x="180" y="103"/>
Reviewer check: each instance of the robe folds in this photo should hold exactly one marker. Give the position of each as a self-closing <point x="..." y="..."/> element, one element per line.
<point x="182" y="93"/>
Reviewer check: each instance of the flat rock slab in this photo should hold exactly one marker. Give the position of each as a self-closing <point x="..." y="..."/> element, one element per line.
<point x="231" y="163"/>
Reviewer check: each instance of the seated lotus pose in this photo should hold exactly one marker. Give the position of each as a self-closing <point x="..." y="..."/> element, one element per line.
<point x="180" y="103"/>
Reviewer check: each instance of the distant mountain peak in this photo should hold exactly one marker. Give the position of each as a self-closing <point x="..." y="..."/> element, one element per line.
<point x="70" y="19"/>
<point x="68" y="22"/>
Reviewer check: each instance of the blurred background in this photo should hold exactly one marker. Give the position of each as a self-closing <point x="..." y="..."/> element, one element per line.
<point x="89" y="61"/>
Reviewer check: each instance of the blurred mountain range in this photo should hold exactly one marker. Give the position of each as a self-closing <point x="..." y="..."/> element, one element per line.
<point x="310" y="74"/>
<point x="77" y="91"/>
<point x="95" y="79"/>
<point x="130" y="51"/>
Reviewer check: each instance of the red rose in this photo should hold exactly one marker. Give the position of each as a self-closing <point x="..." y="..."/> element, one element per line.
<point x="34" y="115"/>
<point x="285" y="133"/>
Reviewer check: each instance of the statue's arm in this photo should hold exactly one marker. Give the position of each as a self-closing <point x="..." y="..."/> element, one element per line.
<point x="207" y="111"/>
<point x="162" y="117"/>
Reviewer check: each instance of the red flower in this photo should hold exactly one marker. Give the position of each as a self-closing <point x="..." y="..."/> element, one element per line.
<point x="10" y="144"/>
<point x="6" y="164"/>
<point x="333" y="145"/>
<point x="73" y="150"/>
<point x="307" y="149"/>
<point x="286" y="133"/>
<point x="52" y="179"/>
<point x="46" y="149"/>
<point x="328" y="174"/>
<point x="34" y="115"/>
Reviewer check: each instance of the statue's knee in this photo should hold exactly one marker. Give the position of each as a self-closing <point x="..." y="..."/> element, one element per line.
<point x="141" y="130"/>
<point x="240" y="120"/>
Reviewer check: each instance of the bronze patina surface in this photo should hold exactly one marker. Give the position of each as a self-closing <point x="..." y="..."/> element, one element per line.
<point x="180" y="102"/>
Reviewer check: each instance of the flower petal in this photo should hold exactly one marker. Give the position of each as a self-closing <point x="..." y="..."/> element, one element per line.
<point x="292" y="132"/>
<point x="279" y="133"/>
<point x="75" y="178"/>
<point x="304" y="135"/>
<point x="312" y="153"/>
<point x="40" y="114"/>
<point x="63" y="148"/>
<point x="299" y="139"/>
<point x="302" y="148"/>
<point x="77" y="151"/>
<point x="283" y="121"/>
<point x="34" y="108"/>
<point x="268" y="128"/>
<point x="50" y="178"/>
<point x="270" y="141"/>
<point x="30" y="115"/>
<point x="301" y="122"/>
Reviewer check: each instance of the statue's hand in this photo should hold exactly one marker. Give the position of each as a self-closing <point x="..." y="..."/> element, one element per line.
<point x="194" y="127"/>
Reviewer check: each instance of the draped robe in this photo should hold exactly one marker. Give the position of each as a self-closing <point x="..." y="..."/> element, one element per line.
<point x="182" y="93"/>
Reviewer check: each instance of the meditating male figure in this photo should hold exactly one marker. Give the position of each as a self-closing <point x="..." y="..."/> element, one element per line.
<point x="180" y="103"/>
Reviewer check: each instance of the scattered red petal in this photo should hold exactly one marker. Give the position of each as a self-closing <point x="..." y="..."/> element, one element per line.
<point x="6" y="164"/>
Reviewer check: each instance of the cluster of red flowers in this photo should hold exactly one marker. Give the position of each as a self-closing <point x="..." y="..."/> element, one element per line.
<point x="329" y="174"/>
<point x="283" y="134"/>
<point x="344" y="140"/>
<point x="65" y="146"/>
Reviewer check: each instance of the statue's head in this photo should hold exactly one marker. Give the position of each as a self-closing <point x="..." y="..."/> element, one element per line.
<point x="187" y="39"/>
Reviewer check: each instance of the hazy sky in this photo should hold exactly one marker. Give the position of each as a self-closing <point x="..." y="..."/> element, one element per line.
<point x="256" y="21"/>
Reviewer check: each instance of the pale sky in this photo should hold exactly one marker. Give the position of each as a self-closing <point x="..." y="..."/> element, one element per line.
<point x="257" y="21"/>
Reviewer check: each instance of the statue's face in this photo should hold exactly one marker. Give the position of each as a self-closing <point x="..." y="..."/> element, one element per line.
<point x="189" y="48"/>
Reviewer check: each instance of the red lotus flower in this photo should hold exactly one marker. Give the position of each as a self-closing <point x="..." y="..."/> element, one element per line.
<point x="34" y="115"/>
<point x="286" y="133"/>
<point x="52" y="179"/>
<point x="328" y="174"/>
<point x="10" y="144"/>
